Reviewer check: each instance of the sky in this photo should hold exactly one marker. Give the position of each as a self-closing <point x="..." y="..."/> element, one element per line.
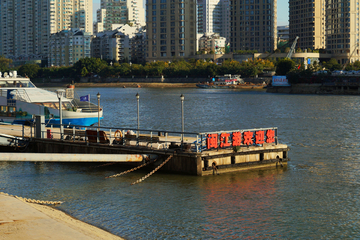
<point x="282" y="11"/>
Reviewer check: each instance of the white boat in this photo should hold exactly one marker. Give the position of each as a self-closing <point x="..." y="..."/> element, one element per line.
<point x="20" y="99"/>
<point x="224" y="81"/>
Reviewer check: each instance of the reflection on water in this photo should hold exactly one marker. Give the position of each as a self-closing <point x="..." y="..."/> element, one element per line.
<point x="316" y="196"/>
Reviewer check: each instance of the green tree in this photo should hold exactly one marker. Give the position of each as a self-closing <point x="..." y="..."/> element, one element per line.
<point x="284" y="66"/>
<point x="356" y="65"/>
<point x="230" y="67"/>
<point x="30" y="70"/>
<point x="203" y="69"/>
<point x="178" y="68"/>
<point x="84" y="72"/>
<point x="332" y="65"/>
<point x="155" y="69"/>
<point x="137" y="70"/>
<point x="4" y="64"/>
<point x="93" y="65"/>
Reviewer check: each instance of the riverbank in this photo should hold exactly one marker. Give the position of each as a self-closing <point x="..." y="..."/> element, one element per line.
<point x="136" y="85"/>
<point x="122" y="84"/>
<point x="21" y="220"/>
<point x="345" y="88"/>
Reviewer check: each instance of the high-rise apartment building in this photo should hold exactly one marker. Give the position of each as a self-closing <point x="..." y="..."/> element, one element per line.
<point x="213" y="17"/>
<point x="342" y="30"/>
<point x="212" y="43"/>
<point x="307" y="21"/>
<point x="24" y="29"/>
<point x="170" y="29"/>
<point x="114" y="45"/>
<point x="120" y="12"/>
<point x="138" y="47"/>
<point x="66" y="14"/>
<point x="100" y="20"/>
<point x="68" y="46"/>
<point x="283" y="33"/>
<point x="26" y="25"/>
<point x="253" y="25"/>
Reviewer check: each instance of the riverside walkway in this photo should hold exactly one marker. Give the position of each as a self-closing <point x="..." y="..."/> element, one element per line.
<point x="26" y="221"/>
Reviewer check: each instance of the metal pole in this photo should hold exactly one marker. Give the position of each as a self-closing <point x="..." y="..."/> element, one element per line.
<point x="182" y="118"/>
<point x="60" y="112"/>
<point x="98" y="98"/>
<point x="138" y="112"/>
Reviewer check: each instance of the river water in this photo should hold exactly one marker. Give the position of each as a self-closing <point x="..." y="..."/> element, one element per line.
<point x="315" y="197"/>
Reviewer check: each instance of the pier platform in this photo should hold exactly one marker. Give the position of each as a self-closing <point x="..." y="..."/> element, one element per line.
<point x="184" y="152"/>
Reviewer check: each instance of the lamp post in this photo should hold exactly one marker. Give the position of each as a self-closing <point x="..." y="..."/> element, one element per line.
<point x="98" y="98"/>
<point x="60" y="93"/>
<point x="182" y="118"/>
<point x="138" y="107"/>
<point x="111" y="64"/>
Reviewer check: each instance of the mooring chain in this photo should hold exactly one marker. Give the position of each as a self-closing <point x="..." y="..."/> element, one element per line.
<point x="153" y="171"/>
<point x="33" y="200"/>
<point x="131" y="170"/>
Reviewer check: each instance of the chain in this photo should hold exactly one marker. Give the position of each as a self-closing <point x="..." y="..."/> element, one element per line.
<point x="34" y="200"/>
<point x="131" y="170"/>
<point x="153" y="171"/>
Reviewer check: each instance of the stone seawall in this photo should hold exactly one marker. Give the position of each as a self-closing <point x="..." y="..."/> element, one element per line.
<point x="145" y="80"/>
<point x="317" y="88"/>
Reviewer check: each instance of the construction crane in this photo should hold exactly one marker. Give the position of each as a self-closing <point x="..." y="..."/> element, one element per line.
<point x="294" y="41"/>
<point x="347" y="62"/>
<point x="292" y="49"/>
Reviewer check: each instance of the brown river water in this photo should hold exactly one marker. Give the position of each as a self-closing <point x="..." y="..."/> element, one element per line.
<point x="315" y="197"/>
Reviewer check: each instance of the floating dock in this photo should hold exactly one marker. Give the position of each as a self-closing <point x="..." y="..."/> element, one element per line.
<point x="177" y="152"/>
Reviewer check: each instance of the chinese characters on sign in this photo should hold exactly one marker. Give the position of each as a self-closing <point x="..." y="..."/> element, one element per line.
<point x="214" y="140"/>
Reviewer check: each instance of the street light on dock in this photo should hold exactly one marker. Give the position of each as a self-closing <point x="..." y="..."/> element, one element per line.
<point x="60" y="93"/>
<point x="138" y="107"/>
<point x="98" y="98"/>
<point x="182" y="118"/>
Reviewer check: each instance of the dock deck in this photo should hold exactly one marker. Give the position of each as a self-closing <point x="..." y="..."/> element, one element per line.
<point x="192" y="153"/>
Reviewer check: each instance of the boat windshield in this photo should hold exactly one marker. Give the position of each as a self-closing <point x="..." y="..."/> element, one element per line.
<point x="16" y="83"/>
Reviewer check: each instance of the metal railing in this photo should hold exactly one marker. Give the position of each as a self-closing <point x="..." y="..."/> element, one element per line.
<point x="164" y="140"/>
<point x="20" y="94"/>
<point x="152" y="139"/>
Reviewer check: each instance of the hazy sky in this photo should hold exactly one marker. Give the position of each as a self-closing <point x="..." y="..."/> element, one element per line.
<point x="282" y="11"/>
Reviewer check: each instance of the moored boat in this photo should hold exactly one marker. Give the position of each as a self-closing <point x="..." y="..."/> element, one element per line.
<point x="20" y="99"/>
<point x="224" y="81"/>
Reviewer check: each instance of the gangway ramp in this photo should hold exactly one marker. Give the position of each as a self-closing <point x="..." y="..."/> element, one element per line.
<point x="71" y="157"/>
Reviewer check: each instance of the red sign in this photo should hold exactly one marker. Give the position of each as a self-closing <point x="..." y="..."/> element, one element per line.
<point x="223" y="140"/>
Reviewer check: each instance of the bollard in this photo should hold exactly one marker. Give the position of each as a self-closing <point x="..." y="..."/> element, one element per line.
<point x="48" y="134"/>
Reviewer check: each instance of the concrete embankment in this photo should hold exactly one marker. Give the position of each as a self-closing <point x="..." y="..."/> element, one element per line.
<point x="21" y="220"/>
<point x="318" y="88"/>
<point x="136" y="82"/>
